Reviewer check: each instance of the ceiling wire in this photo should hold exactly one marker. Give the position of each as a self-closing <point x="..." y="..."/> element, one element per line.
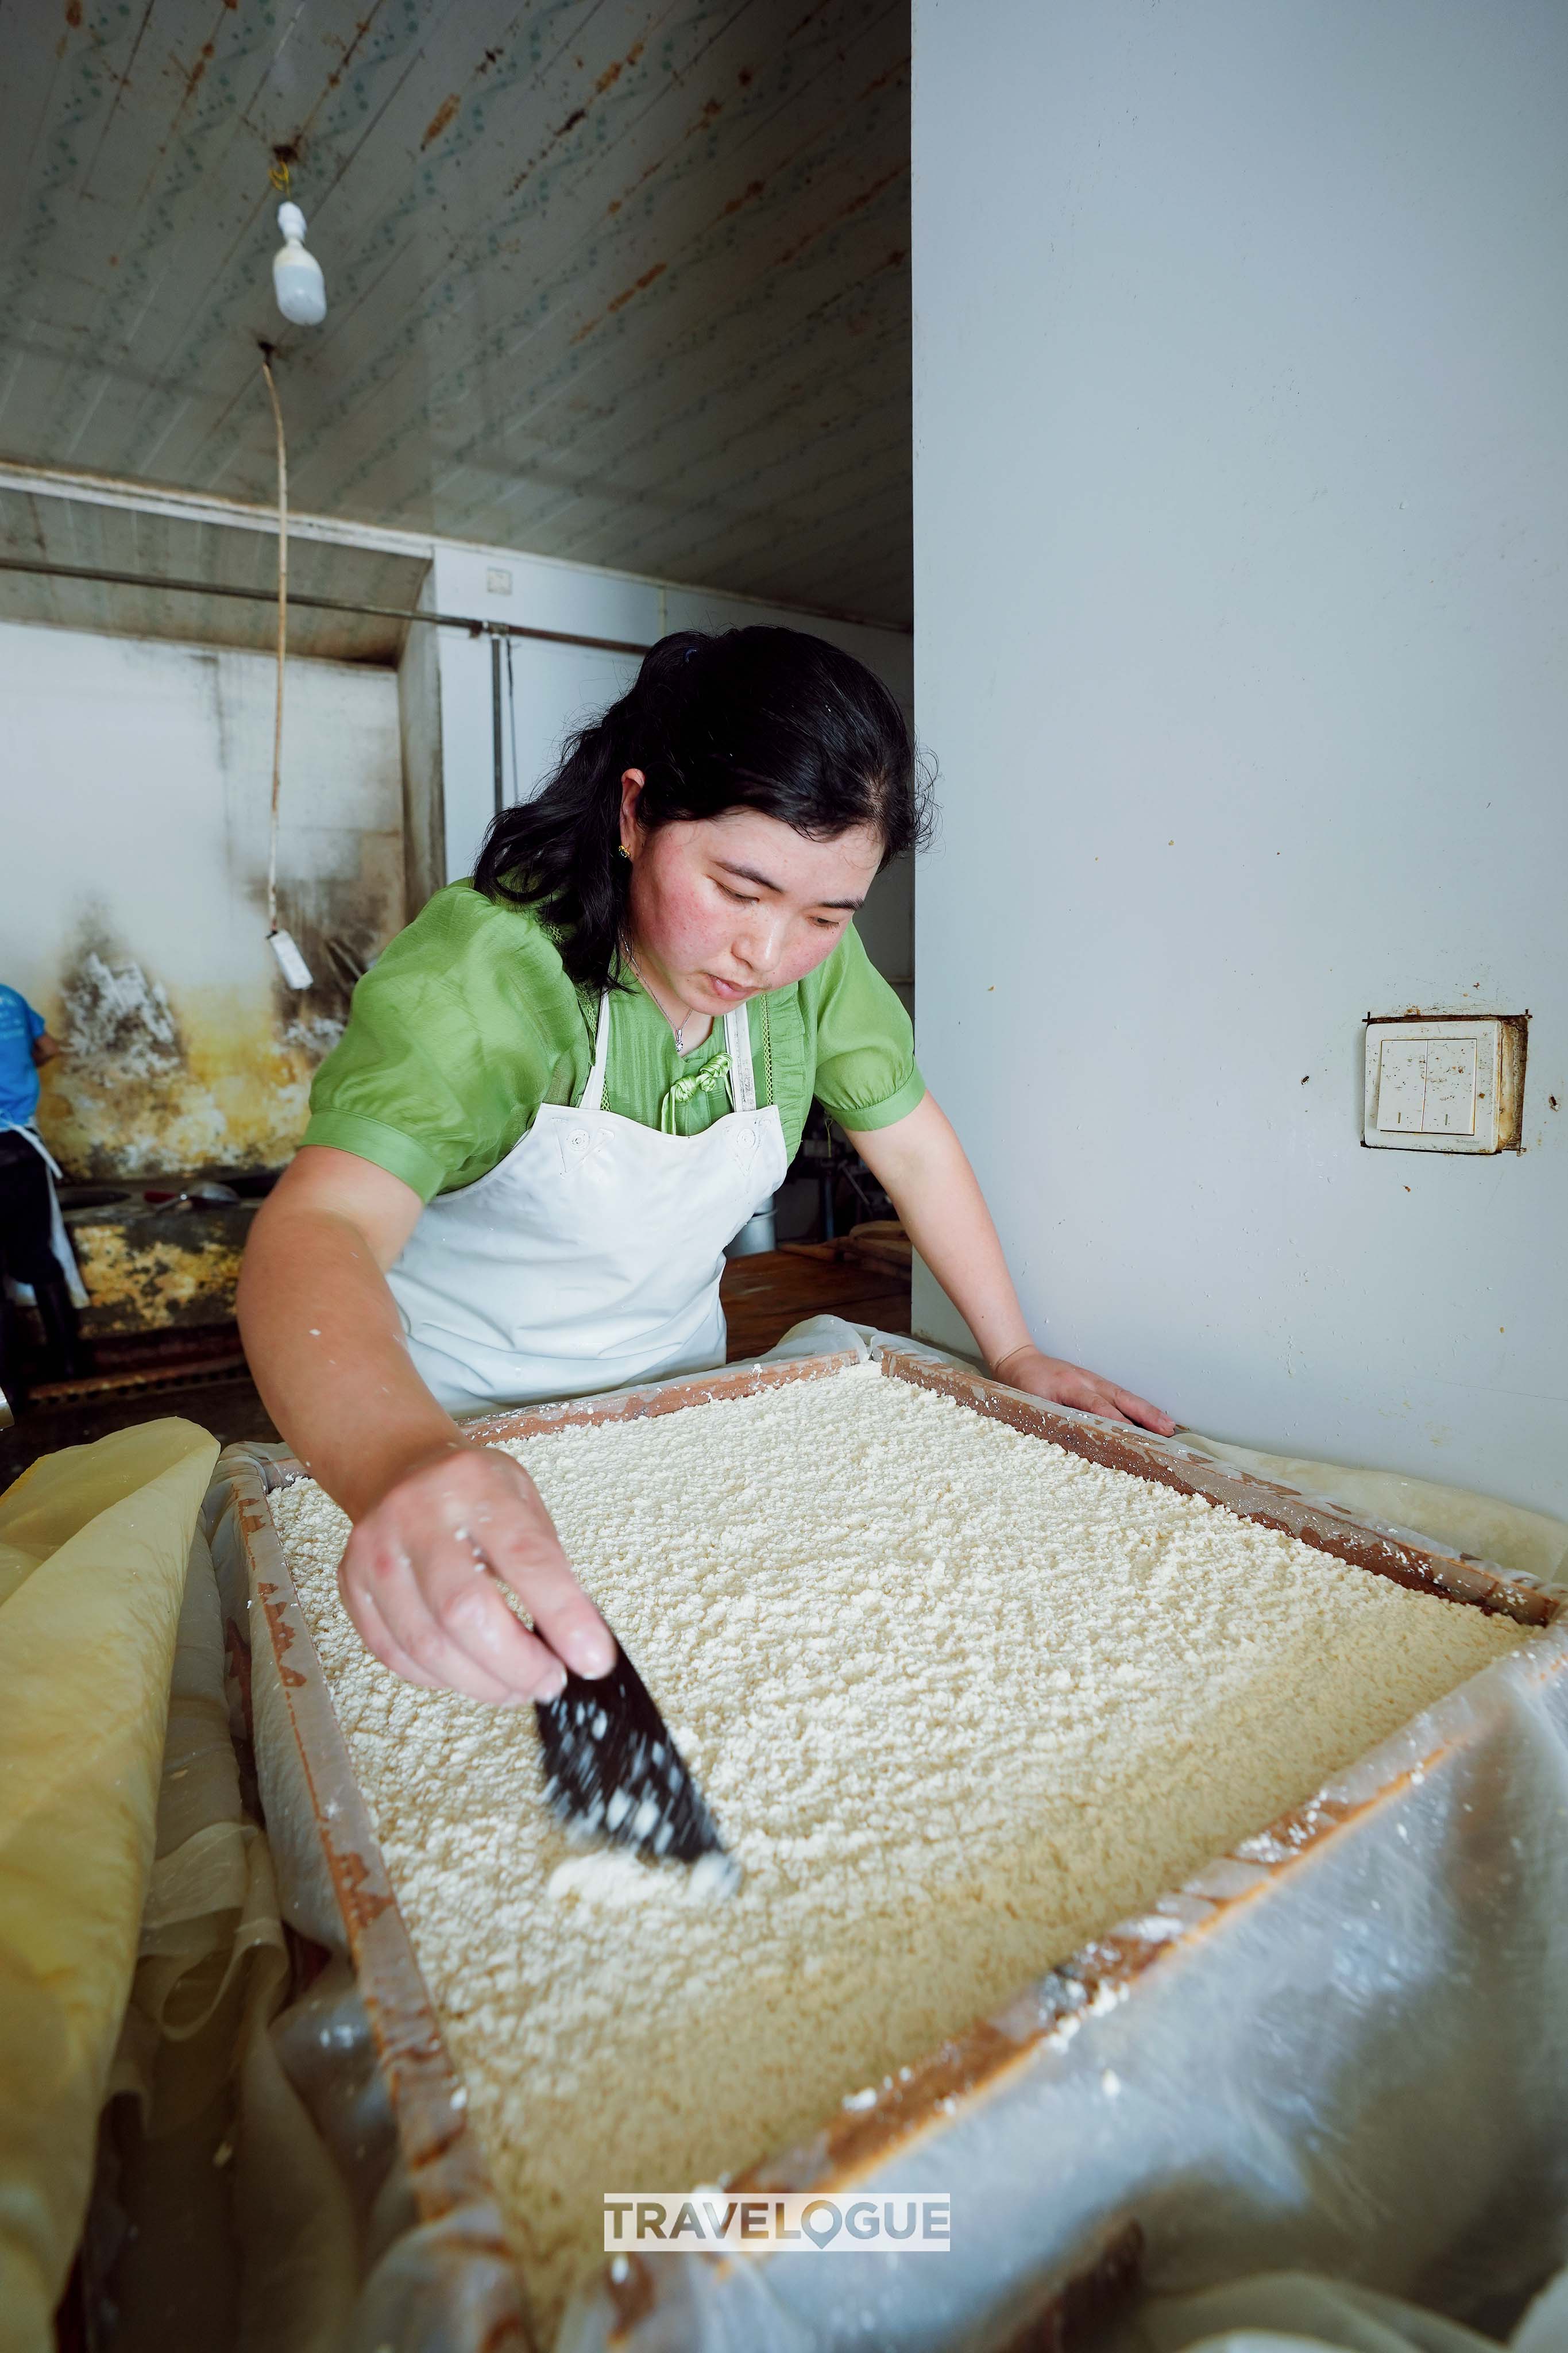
<point x="282" y="644"/>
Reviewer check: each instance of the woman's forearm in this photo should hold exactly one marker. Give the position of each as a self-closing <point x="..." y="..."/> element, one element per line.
<point x="326" y="1348"/>
<point x="429" y="1505"/>
<point x="921" y="1165"/>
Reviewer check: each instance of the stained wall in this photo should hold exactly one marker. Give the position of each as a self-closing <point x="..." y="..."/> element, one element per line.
<point x="132" y="909"/>
<point x="133" y="902"/>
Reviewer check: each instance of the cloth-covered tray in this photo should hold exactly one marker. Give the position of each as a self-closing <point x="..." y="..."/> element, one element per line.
<point x="1337" y="2044"/>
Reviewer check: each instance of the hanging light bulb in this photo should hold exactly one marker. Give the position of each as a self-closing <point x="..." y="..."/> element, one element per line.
<point x="297" y="277"/>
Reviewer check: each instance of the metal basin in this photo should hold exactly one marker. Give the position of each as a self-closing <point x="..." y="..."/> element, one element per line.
<point x="250" y="1184"/>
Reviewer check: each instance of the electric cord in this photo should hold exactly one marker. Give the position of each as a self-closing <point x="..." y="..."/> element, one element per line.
<point x="282" y="643"/>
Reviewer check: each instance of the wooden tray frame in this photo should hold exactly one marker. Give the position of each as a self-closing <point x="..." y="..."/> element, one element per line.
<point x="445" y="2166"/>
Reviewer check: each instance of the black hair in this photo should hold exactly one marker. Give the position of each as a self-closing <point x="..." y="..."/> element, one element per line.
<point x="762" y="719"/>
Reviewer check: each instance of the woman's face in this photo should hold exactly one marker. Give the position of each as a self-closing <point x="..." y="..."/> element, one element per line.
<point x="722" y="908"/>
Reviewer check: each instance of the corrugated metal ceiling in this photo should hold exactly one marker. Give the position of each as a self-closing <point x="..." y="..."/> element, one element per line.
<point x="609" y="280"/>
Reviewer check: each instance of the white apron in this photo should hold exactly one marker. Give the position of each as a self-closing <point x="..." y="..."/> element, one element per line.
<point x="60" y="1241"/>
<point x="591" y="1255"/>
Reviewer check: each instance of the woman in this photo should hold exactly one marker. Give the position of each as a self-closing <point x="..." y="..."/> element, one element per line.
<point x="562" y="1089"/>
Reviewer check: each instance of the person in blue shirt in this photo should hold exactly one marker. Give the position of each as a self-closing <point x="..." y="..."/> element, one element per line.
<point x="27" y="1198"/>
<point x="24" y="1044"/>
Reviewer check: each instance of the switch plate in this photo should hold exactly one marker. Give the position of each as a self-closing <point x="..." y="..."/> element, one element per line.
<point x="1445" y="1085"/>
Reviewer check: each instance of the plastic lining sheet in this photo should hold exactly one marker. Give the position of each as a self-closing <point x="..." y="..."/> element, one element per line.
<point x="1366" y="2073"/>
<point x="368" y="2234"/>
<point x="1531" y="1544"/>
<point x="1351" y="2057"/>
<point x="1284" y="2310"/>
<point x="1342" y="2048"/>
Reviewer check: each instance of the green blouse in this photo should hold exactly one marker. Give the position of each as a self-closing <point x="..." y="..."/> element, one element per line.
<point x="466" y="1023"/>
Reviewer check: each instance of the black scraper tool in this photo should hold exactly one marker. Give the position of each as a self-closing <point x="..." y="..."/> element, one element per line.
<point x="611" y="1766"/>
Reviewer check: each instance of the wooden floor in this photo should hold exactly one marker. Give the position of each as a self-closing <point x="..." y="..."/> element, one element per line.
<point x="763" y="1297"/>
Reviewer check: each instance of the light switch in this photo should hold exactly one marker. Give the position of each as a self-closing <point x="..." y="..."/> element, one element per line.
<point x="1402" y="1085"/>
<point x="1451" y="1107"/>
<point x="1450" y="1084"/>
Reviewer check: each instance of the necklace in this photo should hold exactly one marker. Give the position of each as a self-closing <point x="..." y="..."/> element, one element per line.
<point x="679" y="1027"/>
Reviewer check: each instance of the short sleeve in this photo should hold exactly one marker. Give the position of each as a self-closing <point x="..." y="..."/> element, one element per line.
<point x="391" y="1090"/>
<point x="416" y="1083"/>
<point x="865" y="1072"/>
<point x="36" y="1025"/>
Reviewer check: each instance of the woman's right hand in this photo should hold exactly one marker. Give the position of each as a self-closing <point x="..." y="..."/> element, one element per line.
<point x="440" y="1523"/>
<point x="419" y="1578"/>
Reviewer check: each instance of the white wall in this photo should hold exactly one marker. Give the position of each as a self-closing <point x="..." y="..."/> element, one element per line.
<point x="1241" y="518"/>
<point x="132" y="886"/>
<point x="555" y="688"/>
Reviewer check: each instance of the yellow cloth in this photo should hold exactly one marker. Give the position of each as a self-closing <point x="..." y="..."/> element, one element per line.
<point x="94" y="1543"/>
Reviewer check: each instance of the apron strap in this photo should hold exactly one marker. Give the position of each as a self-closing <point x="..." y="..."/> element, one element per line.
<point x="594" y="1092"/>
<point x="743" y="1079"/>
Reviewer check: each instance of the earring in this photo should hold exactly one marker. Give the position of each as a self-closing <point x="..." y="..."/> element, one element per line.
<point x="625" y="853"/>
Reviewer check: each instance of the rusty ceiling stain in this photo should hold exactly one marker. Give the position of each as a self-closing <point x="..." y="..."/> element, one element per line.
<point x="440" y="119"/>
<point x="623" y="281"/>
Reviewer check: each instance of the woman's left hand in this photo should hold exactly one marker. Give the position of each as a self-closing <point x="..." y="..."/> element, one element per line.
<point x="1063" y="1384"/>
